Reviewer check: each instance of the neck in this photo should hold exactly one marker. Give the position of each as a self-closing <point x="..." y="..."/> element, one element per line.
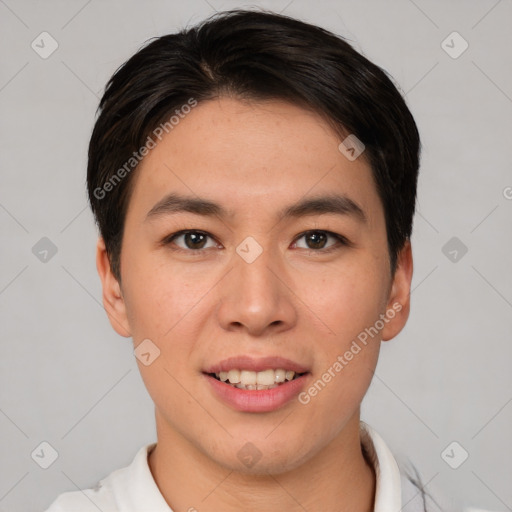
<point x="338" y="478"/>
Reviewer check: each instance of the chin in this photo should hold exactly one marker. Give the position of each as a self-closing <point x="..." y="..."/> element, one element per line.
<point x="261" y="457"/>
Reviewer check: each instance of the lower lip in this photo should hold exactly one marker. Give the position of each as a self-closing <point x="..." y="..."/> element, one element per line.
<point x="262" y="400"/>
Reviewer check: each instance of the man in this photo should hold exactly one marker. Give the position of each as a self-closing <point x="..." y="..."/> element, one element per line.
<point x="254" y="182"/>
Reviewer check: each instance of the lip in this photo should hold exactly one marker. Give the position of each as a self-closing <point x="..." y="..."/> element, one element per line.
<point x="256" y="364"/>
<point x="263" y="400"/>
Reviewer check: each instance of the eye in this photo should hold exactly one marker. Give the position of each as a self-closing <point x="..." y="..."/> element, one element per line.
<point x="194" y="241"/>
<point x="316" y="240"/>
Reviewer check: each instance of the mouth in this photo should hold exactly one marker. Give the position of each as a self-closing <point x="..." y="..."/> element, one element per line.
<point x="255" y="385"/>
<point x="256" y="381"/>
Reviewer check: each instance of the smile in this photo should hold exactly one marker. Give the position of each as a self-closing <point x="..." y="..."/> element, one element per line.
<point x="250" y="398"/>
<point x="255" y="381"/>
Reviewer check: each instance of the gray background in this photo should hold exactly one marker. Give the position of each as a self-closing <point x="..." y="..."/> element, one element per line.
<point x="68" y="379"/>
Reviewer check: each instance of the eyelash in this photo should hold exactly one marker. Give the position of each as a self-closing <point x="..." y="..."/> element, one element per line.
<point x="342" y="241"/>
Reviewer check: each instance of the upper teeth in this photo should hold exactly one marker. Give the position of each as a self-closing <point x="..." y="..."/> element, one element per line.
<point x="247" y="377"/>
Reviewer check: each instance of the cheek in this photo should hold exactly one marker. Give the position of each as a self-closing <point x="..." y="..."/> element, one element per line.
<point x="349" y="302"/>
<point x="346" y="300"/>
<point x="163" y="306"/>
<point x="342" y="375"/>
<point x="159" y="297"/>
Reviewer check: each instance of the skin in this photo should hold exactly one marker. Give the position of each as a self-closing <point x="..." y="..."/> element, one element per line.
<point x="294" y="301"/>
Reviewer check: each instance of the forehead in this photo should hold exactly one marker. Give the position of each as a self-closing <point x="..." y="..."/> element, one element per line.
<point x="252" y="157"/>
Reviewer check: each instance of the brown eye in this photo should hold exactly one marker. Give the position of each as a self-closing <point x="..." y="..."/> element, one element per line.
<point x="192" y="240"/>
<point x="316" y="240"/>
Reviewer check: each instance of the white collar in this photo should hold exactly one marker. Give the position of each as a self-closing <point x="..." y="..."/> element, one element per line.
<point x="388" y="489"/>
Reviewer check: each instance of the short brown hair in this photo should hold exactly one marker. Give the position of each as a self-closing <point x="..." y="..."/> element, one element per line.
<point x="252" y="55"/>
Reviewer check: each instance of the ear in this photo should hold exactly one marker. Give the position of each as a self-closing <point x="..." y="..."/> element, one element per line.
<point x="398" y="306"/>
<point x="113" y="300"/>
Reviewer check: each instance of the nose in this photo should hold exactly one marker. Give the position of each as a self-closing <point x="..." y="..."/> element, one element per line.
<point x="256" y="296"/>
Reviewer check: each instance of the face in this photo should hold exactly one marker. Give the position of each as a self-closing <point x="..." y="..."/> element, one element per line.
<point x="255" y="283"/>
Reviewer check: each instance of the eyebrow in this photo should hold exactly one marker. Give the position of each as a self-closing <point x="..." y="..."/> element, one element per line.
<point x="326" y="204"/>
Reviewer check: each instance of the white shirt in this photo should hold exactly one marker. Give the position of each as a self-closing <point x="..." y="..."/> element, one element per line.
<point x="133" y="489"/>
